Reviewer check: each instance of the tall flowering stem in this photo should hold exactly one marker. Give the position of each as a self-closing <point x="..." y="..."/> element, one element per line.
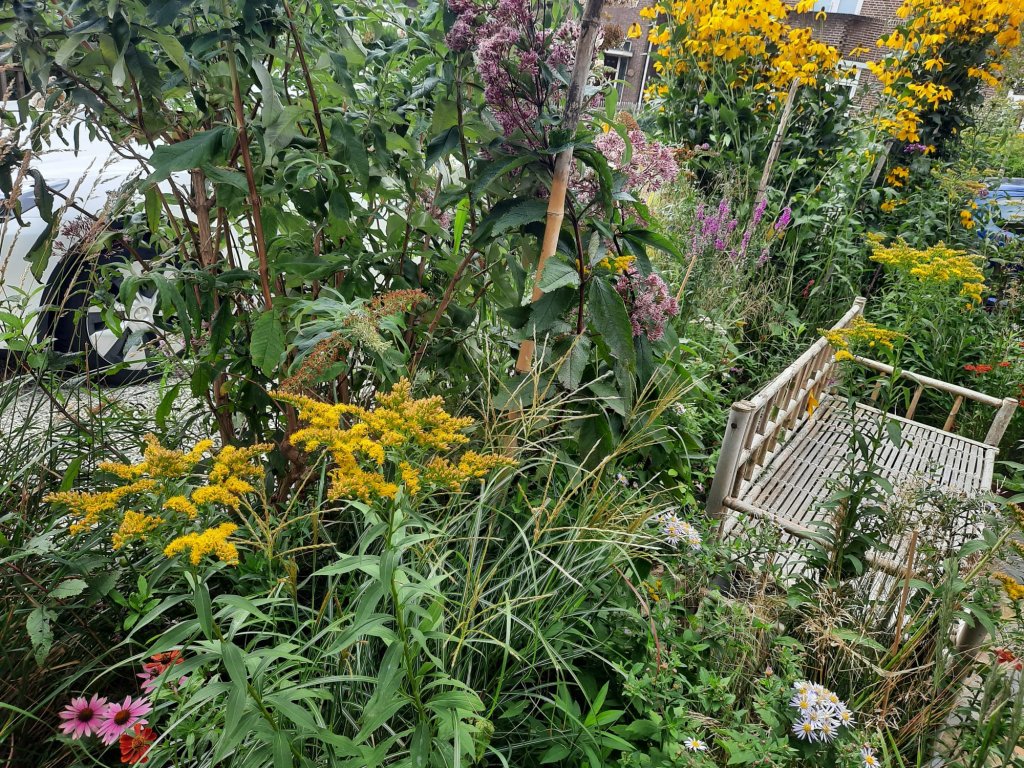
<point x="589" y="29"/>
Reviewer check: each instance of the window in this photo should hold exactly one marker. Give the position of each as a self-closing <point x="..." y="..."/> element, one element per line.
<point x="848" y="7"/>
<point x="851" y="81"/>
<point x="617" y="62"/>
<point x="12" y="83"/>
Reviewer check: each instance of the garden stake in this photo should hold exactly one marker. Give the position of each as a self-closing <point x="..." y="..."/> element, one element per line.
<point x="780" y="133"/>
<point x="589" y="28"/>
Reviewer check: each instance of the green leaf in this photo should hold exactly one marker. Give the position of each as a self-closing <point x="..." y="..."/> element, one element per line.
<point x="204" y="610"/>
<point x="509" y="214"/>
<point x="152" y="200"/>
<point x="574" y="363"/>
<point x="68" y="588"/>
<point x="609" y="319"/>
<point x="461" y="217"/>
<point x="194" y="152"/>
<point x="234" y="662"/>
<point x="267" y="345"/>
<point x="39" y="632"/>
<point x="442" y="145"/>
<point x="558" y="274"/>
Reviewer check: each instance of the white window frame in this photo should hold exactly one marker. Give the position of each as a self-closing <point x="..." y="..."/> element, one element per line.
<point x="622" y="57"/>
<point x="852" y="82"/>
<point x="832" y="6"/>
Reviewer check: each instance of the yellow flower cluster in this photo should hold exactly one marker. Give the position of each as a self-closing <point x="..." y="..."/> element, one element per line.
<point x="897" y="176"/>
<point x="985" y="31"/>
<point x="937" y="265"/>
<point x="87" y="508"/>
<point x="859" y="333"/>
<point x="159" y="481"/>
<point x="399" y="423"/>
<point x="753" y="36"/>
<point x="212" y="541"/>
<point x="617" y="263"/>
<point x="230" y="476"/>
<point x="1013" y="588"/>
<point x="158" y="462"/>
<point x="135" y="525"/>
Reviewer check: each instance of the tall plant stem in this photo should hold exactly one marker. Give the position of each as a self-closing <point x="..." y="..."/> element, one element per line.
<point x="250" y="178"/>
<point x="589" y="28"/>
<point x="313" y="100"/>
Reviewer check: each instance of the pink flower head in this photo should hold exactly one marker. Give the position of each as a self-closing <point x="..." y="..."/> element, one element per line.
<point x="118" y="718"/>
<point x="82" y="717"/>
<point x="649" y="303"/>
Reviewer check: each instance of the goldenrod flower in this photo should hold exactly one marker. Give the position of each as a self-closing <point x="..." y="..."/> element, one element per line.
<point x="135" y="525"/>
<point x="212" y="541"/>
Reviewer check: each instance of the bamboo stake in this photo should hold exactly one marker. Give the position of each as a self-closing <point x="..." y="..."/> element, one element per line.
<point x="589" y="27"/>
<point x="780" y="134"/>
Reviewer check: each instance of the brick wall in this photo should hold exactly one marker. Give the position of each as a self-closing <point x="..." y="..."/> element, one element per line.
<point x="620" y="17"/>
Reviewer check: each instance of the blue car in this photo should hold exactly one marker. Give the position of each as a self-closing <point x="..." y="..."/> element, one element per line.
<point x="1000" y="212"/>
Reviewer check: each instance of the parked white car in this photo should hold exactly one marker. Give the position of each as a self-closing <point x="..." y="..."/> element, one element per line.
<point x="84" y="176"/>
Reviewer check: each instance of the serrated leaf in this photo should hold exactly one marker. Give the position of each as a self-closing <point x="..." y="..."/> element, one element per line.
<point x="609" y="319"/>
<point x="558" y="274"/>
<point x="509" y="214"/>
<point x="194" y="152"/>
<point x="68" y="588"/>
<point x="267" y="345"/>
<point x="40" y="634"/>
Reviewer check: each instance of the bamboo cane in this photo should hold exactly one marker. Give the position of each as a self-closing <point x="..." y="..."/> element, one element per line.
<point x="589" y="27"/>
<point x="780" y="134"/>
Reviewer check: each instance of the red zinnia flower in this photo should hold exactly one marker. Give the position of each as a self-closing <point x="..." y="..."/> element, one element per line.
<point x="970" y="367"/>
<point x="135" y="745"/>
<point x="1005" y="364"/>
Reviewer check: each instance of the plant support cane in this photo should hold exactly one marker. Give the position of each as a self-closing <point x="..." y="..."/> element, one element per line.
<point x="556" y="200"/>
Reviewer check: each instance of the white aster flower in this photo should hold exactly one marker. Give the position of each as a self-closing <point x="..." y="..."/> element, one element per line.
<point x="828" y="729"/>
<point x="695" y="745"/>
<point x="805" y="730"/>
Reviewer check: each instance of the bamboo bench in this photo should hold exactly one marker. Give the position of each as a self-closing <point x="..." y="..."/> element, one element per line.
<point x="783" y="447"/>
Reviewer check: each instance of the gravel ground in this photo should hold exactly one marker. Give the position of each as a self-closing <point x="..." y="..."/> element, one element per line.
<point x="73" y="421"/>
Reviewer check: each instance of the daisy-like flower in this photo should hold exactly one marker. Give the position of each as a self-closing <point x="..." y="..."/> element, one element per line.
<point x="673" y="531"/>
<point x="867" y="755"/>
<point x="153" y="670"/>
<point x="805" y="730"/>
<point x="695" y="745"/>
<point x="828" y="729"/>
<point x="831" y="700"/>
<point x="844" y="715"/>
<point x="82" y="716"/>
<point x="802" y="703"/>
<point x="118" y="718"/>
<point x="802" y="687"/>
<point x="135" y="745"/>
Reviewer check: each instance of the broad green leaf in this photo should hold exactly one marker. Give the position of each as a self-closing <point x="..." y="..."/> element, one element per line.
<point x="40" y="634"/>
<point x="194" y="152"/>
<point x="509" y="214"/>
<point x="609" y="319"/>
<point x="558" y="274"/>
<point x="267" y="345"/>
<point x="441" y="145"/>
<point x="68" y="588"/>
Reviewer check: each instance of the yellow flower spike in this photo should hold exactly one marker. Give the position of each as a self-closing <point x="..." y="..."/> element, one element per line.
<point x="181" y="505"/>
<point x="134" y="525"/>
<point x="212" y="541"/>
<point x="1013" y="589"/>
<point x="860" y="331"/>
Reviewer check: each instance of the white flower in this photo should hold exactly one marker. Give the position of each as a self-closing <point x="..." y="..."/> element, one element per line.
<point x="806" y="730"/>
<point x="679" y="408"/>
<point x="621" y="478"/>
<point x="802" y="687"/>
<point x="844" y="715"/>
<point x="867" y="754"/>
<point x="828" y="729"/>
<point x="802" y="703"/>
<point x="695" y="745"/>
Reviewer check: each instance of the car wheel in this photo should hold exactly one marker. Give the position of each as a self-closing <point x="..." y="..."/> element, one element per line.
<point x="76" y="324"/>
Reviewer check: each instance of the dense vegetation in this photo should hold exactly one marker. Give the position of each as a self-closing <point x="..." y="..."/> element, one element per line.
<point x="423" y="480"/>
